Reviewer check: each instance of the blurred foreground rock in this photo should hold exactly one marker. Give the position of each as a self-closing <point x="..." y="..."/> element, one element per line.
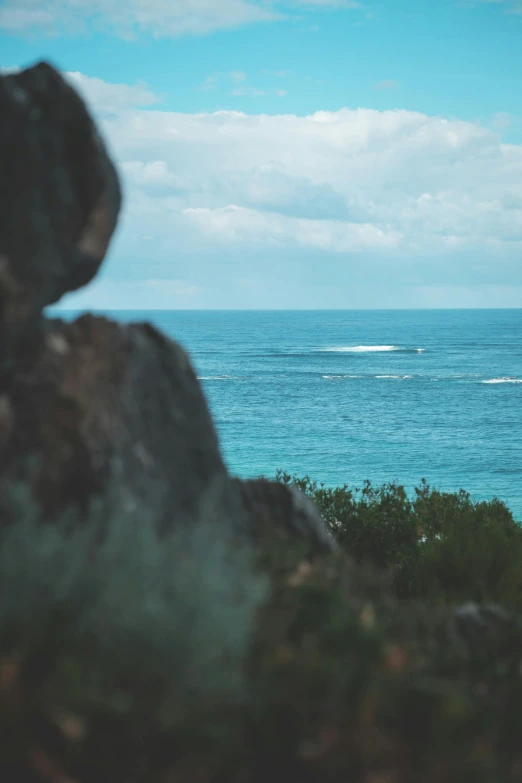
<point x="112" y="410"/>
<point x="95" y="409"/>
<point x="282" y="508"/>
<point x="59" y="199"/>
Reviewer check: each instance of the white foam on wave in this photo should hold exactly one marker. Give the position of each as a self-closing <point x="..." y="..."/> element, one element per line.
<point x="370" y="349"/>
<point x="504" y="380"/>
<point x="362" y="348"/>
<point x="338" y="377"/>
<point x="395" y="377"/>
<point x="215" y="377"/>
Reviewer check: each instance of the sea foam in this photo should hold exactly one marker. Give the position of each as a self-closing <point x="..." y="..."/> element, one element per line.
<point x="363" y="349"/>
<point x="370" y="349"/>
<point x="339" y="377"/>
<point x="216" y="378"/>
<point x="504" y="380"/>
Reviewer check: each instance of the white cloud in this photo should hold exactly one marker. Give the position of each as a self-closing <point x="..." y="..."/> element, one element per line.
<point x="397" y="197"/>
<point x="250" y="226"/>
<point x="154" y="177"/>
<point x="14" y="18"/>
<point x="396" y="185"/>
<point x="111" y="98"/>
<point x="162" y="18"/>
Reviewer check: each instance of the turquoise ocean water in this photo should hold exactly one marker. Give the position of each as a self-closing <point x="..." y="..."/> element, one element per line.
<point x="354" y="395"/>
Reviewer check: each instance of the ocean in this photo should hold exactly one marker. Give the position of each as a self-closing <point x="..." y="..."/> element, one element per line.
<point x="344" y="396"/>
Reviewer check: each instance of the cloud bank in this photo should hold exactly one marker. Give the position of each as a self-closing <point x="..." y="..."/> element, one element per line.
<point x="395" y="198"/>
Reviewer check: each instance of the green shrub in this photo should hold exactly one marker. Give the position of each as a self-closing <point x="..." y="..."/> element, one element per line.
<point x="375" y="525"/>
<point x="473" y="551"/>
<point x="437" y="544"/>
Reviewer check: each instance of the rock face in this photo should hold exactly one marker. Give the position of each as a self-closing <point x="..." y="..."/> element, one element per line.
<point x="59" y="198"/>
<point x="108" y="409"/>
<point x="270" y="505"/>
<point x="95" y="409"/>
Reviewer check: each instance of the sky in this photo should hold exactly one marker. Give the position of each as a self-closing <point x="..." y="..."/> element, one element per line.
<point x="298" y="154"/>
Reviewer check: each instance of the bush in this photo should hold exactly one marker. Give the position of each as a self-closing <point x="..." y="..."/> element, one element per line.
<point x="438" y="545"/>
<point x="473" y="551"/>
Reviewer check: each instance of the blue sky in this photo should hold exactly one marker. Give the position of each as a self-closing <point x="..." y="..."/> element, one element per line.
<point x="297" y="153"/>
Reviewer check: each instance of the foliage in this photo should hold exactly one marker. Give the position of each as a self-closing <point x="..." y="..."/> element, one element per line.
<point x="439" y="545"/>
<point x="356" y="685"/>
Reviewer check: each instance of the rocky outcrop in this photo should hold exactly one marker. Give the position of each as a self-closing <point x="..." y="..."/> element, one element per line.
<point x="94" y="409"/>
<point x="59" y="199"/>
<point x="282" y="508"/>
<point x="107" y="410"/>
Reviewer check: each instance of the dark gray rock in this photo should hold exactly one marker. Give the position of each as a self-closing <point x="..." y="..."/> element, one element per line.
<point x="282" y="508"/>
<point x="105" y="410"/>
<point x="59" y="198"/>
<point x="93" y="409"/>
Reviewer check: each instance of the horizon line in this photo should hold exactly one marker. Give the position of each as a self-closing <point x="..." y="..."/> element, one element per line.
<point x="273" y="309"/>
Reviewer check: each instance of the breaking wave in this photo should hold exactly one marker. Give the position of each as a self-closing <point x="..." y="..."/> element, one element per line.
<point x="218" y="378"/>
<point x="371" y="349"/>
<point x="340" y="377"/>
<point x="504" y="380"/>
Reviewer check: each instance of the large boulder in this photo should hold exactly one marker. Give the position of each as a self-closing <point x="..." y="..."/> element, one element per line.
<point x="59" y="199"/>
<point x="95" y="410"/>
<point x="105" y="410"/>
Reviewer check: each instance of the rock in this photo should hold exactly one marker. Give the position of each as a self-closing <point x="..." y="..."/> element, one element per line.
<point x="272" y="506"/>
<point x="94" y="409"/>
<point x="476" y="628"/>
<point x="59" y="198"/>
<point x="106" y="410"/>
